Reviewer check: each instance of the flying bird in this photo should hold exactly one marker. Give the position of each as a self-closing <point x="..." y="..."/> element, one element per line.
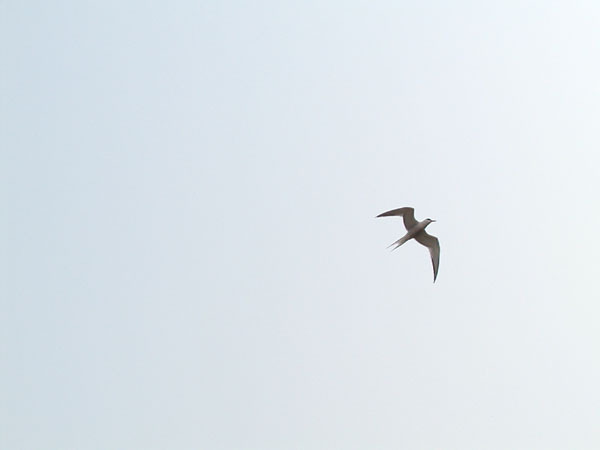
<point x="416" y="230"/>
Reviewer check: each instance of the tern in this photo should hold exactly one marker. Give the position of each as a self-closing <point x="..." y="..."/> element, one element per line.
<point x="416" y="230"/>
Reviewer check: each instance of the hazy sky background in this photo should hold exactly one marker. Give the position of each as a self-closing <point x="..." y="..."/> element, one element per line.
<point x="190" y="258"/>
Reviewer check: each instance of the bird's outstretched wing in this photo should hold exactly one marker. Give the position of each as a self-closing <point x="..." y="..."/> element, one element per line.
<point x="408" y="214"/>
<point x="433" y="244"/>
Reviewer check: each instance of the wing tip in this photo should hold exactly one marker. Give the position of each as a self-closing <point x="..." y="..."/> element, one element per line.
<point x="393" y="212"/>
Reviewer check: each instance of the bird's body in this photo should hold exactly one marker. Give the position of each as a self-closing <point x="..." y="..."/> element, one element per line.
<point x="416" y="230"/>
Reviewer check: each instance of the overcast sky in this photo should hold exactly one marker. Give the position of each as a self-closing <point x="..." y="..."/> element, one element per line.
<point x="190" y="255"/>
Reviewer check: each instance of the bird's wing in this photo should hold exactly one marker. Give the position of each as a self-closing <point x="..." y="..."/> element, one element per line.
<point x="433" y="244"/>
<point x="408" y="214"/>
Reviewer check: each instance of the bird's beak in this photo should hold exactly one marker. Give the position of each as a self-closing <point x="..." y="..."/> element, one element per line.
<point x="433" y="220"/>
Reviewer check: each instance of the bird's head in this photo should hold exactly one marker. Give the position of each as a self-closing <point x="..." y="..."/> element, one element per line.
<point x="429" y="221"/>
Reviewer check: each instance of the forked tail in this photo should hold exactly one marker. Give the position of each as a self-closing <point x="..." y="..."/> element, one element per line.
<point x="399" y="242"/>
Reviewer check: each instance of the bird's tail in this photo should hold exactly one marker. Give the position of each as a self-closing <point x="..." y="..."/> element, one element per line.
<point x="398" y="243"/>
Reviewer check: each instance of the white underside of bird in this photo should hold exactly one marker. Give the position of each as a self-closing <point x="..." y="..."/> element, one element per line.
<point x="416" y="230"/>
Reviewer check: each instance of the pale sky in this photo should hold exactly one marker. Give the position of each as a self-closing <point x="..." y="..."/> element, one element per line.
<point x="190" y="255"/>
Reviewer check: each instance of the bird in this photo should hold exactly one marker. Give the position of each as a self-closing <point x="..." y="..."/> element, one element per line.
<point x="416" y="230"/>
